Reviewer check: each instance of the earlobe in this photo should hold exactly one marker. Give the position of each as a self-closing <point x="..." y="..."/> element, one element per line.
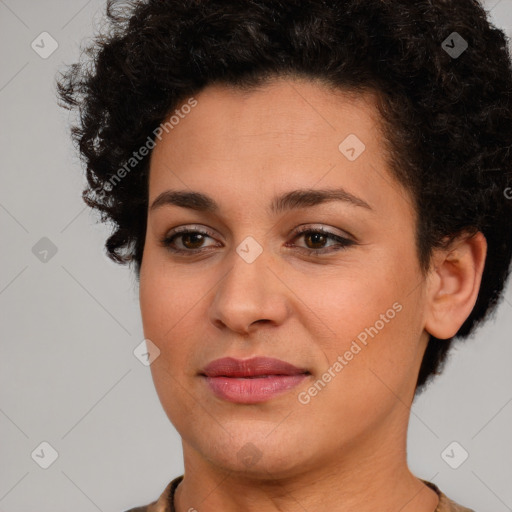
<point x="454" y="283"/>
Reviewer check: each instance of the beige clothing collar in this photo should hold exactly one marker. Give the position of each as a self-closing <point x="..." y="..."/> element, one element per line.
<point x="165" y="502"/>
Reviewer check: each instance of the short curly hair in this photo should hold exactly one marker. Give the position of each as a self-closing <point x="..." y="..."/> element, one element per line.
<point x="447" y="115"/>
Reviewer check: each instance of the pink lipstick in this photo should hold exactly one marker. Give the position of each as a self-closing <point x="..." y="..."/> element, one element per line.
<point x="251" y="381"/>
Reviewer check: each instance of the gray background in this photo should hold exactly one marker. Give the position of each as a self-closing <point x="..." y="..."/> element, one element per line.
<point x="70" y="324"/>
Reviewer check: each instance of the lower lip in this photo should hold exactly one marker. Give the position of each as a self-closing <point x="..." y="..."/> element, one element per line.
<point x="252" y="390"/>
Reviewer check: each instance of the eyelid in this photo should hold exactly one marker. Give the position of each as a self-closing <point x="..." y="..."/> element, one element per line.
<point x="165" y="241"/>
<point x="190" y="227"/>
<point x="322" y="228"/>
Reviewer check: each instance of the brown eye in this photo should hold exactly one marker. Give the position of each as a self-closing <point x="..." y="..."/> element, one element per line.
<point x="192" y="240"/>
<point x="188" y="241"/>
<point x="318" y="240"/>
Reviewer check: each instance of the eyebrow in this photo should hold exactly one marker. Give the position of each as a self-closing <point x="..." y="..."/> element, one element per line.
<point x="295" y="199"/>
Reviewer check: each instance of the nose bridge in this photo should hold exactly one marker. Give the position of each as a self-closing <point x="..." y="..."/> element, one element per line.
<point x="248" y="292"/>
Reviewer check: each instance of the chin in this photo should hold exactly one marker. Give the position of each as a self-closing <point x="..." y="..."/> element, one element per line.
<point x="255" y="464"/>
<point x="256" y="451"/>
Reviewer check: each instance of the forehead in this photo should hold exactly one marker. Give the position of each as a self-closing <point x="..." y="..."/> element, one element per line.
<point x="283" y="107"/>
<point x="288" y="133"/>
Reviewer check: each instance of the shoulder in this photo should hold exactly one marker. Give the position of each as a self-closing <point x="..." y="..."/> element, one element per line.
<point x="164" y="503"/>
<point x="445" y="503"/>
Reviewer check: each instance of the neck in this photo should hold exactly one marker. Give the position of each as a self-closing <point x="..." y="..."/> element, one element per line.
<point x="374" y="477"/>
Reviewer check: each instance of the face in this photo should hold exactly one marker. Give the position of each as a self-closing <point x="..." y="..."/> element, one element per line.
<point x="300" y="250"/>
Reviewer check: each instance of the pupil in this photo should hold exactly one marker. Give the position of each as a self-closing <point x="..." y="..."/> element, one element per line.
<point x="190" y="236"/>
<point x="317" y="237"/>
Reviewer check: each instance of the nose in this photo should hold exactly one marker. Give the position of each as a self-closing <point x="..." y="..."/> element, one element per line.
<point x="249" y="295"/>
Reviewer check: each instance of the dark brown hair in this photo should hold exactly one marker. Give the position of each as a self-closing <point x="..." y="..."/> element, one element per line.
<point x="446" y="106"/>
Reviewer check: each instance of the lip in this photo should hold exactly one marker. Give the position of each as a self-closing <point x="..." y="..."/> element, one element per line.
<point x="251" y="381"/>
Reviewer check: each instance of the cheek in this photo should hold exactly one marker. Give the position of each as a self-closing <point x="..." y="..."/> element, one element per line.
<point x="168" y="303"/>
<point x="368" y="375"/>
<point x="352" y="298"/>
<point x="167" y="296"/>
<point x="374" y="318"/>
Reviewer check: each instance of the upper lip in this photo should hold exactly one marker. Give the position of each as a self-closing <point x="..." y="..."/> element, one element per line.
<point x="253" y="367"/>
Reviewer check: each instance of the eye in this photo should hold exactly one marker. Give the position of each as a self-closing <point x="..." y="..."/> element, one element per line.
<point x="187" y="240"/>
<point x="316" y="240"/>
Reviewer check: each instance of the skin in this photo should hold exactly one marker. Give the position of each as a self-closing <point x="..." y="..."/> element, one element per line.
<point x="346" y="447"/>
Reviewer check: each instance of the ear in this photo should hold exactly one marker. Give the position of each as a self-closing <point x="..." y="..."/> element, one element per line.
<point x="453" y="284"/>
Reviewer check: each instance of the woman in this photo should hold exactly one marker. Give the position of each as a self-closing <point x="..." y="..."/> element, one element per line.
<point x="314" y="197"/>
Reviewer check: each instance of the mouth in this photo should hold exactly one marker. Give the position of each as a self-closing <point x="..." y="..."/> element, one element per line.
<point x="251" y="381"/>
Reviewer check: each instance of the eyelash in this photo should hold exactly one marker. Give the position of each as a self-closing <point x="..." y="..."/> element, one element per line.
<point x="343" y="242"/>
